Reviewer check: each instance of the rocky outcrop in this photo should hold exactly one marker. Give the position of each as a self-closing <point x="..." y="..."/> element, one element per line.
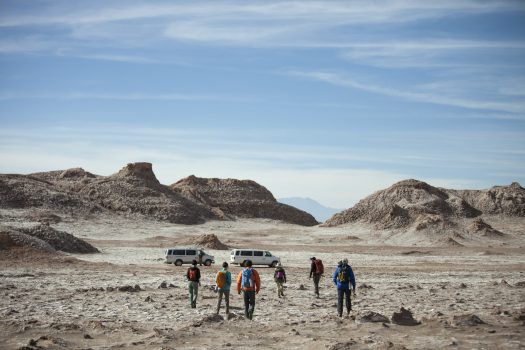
<point x="27" y="191"/>
<point x="11" y="238"/>
<point x="407" y="203"/>
<point x="239" y="198"/>
<point x="506" y="200"/>
<point x="60" y="240"/>
<point x="136" y="190"/>
<point x="480" y="227"/>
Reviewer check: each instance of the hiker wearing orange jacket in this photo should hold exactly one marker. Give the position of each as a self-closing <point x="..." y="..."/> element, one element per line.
<point x="248" y="282"/>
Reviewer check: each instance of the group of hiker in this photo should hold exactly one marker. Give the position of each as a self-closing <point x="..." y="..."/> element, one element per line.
<point x="249" y="283"/>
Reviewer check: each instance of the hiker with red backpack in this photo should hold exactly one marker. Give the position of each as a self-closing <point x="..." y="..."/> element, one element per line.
<point x="194" y="276"/>
<point x="223" y="281"/>
<point x="280" y="278"/>
<point x="343" y="277"/>
<point x="316" y="271"/>
<point x="249" y="282"/>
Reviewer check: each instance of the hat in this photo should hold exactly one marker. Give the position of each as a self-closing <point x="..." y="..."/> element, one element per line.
<point x="312" y="258"/>
<point x="345" y="261"/>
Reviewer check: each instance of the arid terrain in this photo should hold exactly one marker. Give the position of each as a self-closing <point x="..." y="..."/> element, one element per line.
<point x="464" y="297"/>
<point x="82" y="265"/>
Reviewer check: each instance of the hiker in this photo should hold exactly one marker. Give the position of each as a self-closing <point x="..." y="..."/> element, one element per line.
<point x="223" y="281"/>
<point x="194" y="276"/>
<point x="201" y="254"/>
<point x="249" y="282"/>
<point x="316" y="271"/>
<point x="280" y="278"/>
<point x="343" y="277"/>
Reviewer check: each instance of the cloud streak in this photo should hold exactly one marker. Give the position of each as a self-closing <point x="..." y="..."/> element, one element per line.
<point x="340" y="80"/>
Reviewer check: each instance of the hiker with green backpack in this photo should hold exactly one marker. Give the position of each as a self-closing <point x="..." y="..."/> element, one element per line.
<point x="223" y="282"/>
<point x="343" y="277"/>
<point x="249" y="283"/>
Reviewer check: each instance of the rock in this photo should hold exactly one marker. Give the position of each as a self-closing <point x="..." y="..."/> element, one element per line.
<point x="506" y="200"/>
<point x="371" y="316"/>
<point x="301" y="287"/>
<point x="343" y="345"/>
<point x="480" y="227"/>
<point x="207" y="241"/>
<point x="404" y="318"/>
<point x="11" y="238"/>
<point x="163" y="284"/>
<point x="208" y="319"/>
<point x="467" y="320"/>
<point x="87" y="336"/>
<point x="60" y="240"/>
<point x="230" y="198"/>
<point x="149" y="299"/>
<point x="520" y="284"/>
<point x="406" y="203"/>
<point x="136" y="288"/>
<point x="462" y="286"/>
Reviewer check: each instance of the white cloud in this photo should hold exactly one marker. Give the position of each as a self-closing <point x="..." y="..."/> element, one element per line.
<point x="341" y="80"/>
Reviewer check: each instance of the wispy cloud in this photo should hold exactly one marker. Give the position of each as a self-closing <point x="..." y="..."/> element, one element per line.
<point x="341" y="80"/>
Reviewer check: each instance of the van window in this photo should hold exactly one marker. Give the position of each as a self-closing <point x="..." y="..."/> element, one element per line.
<point x="237" y="252"/>
<point x="169" y="252"/>
<point x="178" y="252"/>
<point x="191" y="252"/>
<point x="257" y="253"/>
<point x="246" y="253"/>
<point x="232" y="252"/>
<point x="267" y="254"/>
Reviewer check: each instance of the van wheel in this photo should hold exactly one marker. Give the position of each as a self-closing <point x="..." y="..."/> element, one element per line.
<point x="207" y="262"/>
<point x="178" y="262"/>
<point x="274" y="264"/>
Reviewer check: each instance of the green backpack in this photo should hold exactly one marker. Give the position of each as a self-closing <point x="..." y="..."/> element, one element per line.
<point x="342" y="276"/>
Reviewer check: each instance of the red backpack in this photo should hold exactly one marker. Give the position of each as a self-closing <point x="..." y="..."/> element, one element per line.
<point x="319" y="267"/>
<point x="193" y="274"/>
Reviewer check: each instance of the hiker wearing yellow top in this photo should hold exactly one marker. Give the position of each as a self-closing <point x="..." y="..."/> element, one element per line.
<point x="249" y="282"/>
<point x="223" y="282"/>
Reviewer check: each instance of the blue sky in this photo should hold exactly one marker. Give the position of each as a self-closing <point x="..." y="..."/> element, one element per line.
<point x="324" y="99"/>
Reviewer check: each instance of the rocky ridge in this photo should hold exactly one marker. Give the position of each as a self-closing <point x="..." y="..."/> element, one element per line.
<point x="135" y="191"/>
<point x="243" y="198"/>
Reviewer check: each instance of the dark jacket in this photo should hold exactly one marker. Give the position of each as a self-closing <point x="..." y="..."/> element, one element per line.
<point x="198" y="273"/>
<point x="313" y="270"/>
<point x="350" y="273"/>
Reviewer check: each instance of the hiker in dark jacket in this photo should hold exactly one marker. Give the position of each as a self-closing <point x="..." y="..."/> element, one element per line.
<point x="280" y="278"/>
<point x="316" y="275"/>
<point x="343" y="277"/>
<point x="194" y="276"/>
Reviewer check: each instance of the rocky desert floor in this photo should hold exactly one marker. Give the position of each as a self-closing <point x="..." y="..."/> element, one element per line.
<point x="468" y="297"/>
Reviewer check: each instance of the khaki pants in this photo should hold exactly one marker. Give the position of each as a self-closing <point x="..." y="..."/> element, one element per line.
<point x="280" y="288"/>
<point x="226" y="294"/>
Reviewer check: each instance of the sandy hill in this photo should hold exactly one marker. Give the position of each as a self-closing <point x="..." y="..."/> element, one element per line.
<point x="27" y="191"/>
<point x="135" y="191"/>
<point x="406" y="203"/>
<point x="239" y="198"/>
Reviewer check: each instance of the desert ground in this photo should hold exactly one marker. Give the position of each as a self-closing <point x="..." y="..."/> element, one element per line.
<point x="465" y="297"/>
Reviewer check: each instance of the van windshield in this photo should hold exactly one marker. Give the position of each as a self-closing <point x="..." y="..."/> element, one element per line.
<point x="267" y="253"/>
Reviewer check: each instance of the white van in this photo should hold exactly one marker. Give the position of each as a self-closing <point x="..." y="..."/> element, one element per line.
<point x="185" y="255"/>
<point x="257" y="256"/>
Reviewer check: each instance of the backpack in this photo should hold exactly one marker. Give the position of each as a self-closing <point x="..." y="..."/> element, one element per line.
<point x="222" y="279"/>
<point x="319" y="267"/>
<point x="342" y="276"/>
<point x="279" y="275"/>
<point x="247" y="279"/>
<point x="193" y="274"/>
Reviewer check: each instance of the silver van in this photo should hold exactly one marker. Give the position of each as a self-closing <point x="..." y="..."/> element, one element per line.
<point x="257" y="256"/>
<point x="185" y="255"/>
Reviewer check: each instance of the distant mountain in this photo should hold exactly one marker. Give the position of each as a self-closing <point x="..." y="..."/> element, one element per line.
<point x="319" y="211"/>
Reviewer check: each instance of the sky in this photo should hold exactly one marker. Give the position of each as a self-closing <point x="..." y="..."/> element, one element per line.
<point x="331" y="100"/>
